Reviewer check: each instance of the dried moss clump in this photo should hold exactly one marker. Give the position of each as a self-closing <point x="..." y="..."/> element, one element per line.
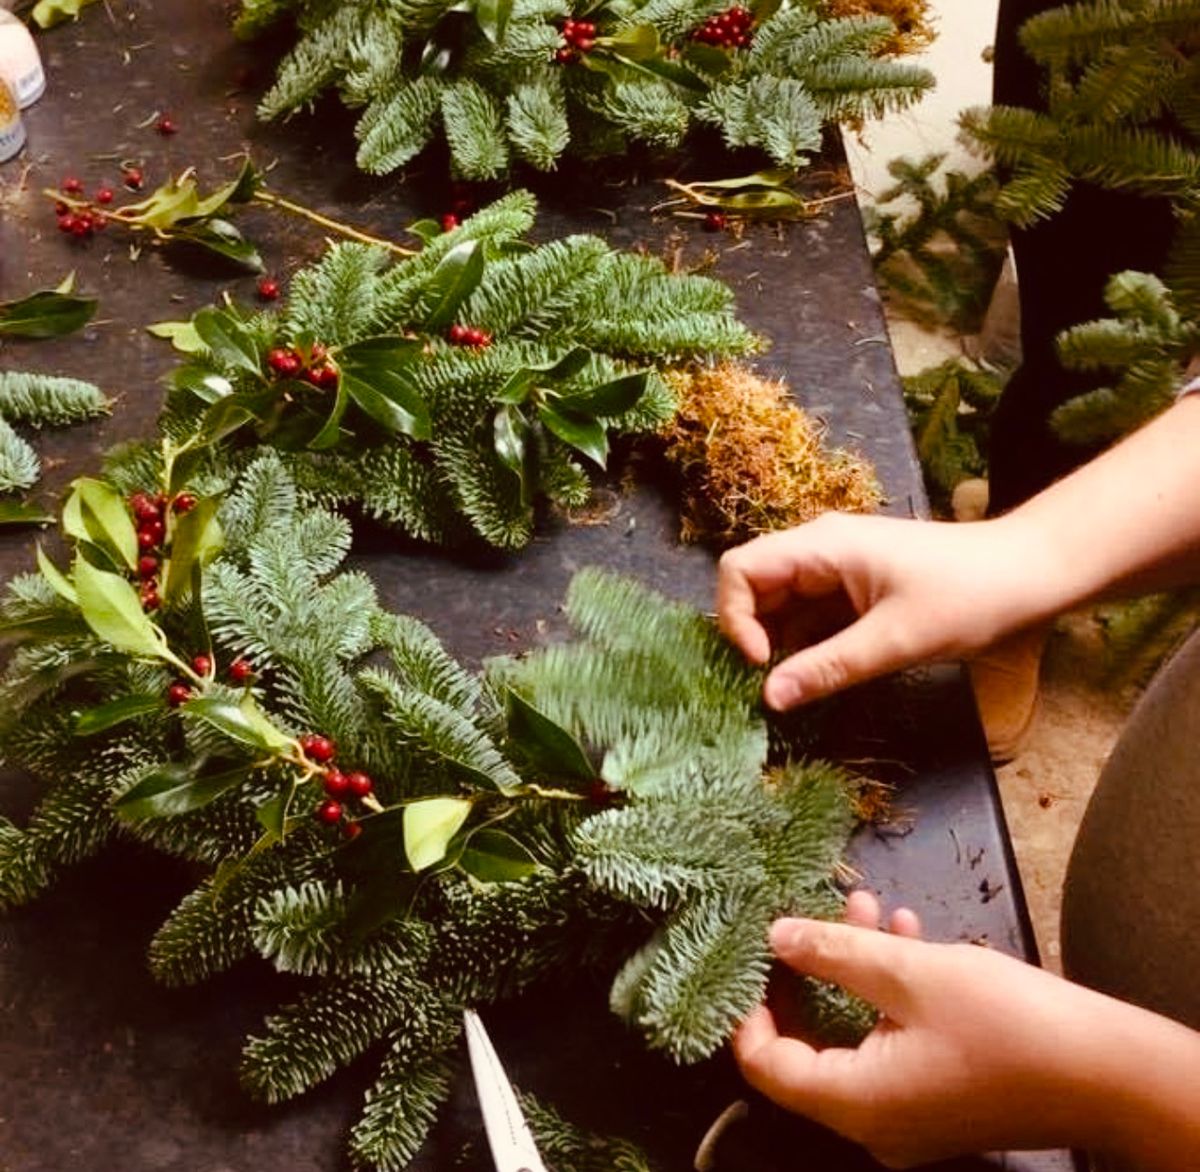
<point x="914" y="26"/>
<point x="752" y="461"/>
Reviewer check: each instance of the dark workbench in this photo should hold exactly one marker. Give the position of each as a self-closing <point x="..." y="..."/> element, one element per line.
<point x="106" y="1070"/>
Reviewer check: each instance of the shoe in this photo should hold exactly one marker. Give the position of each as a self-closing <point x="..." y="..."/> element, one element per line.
<point x="1005" y="681"/>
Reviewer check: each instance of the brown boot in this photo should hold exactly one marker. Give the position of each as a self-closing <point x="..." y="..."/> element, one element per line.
<point x="1005" y="681"/>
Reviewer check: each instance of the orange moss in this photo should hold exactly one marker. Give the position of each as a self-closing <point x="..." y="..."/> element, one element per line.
<point x="914" y="26"/>
<point x="752" y="461"/>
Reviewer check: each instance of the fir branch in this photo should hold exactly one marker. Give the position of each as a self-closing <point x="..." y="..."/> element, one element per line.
<point x="41" y="400"/>
<point x="19" y="463"/>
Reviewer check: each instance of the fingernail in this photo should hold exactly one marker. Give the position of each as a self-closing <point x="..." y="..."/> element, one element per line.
<point x="781" y="693"/>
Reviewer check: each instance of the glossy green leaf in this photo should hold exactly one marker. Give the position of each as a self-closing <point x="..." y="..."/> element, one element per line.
<point x="452" y="282"/>
<point x="492" y="17"/>
<point x="176" y="789"/>
<point x="61" y="583"/>
<point x="676" y="73"/>
<point x="425" y="230"/>
<point x="707" y="58"/>
<point x="48" y="13"/>
<point x="183" y="464"/>
<point x="608" y="399"/>
<point x="331" y="429"/>
<point x="228" y="339"/>
<point x="242" y="721"/>
<point x="771" y="200"/>
<point x="239" y="190"/>
<point x="181" y="334"/>
<point x="492" y="856"/>
<point x="636" y="43"/>
<point x="112" y="609"/>
<point x="429" y="825"/>
<point x="511" y="431"/>
<point x="23" y="513"/>
<point x="583" y="433"/>
<point x="234" y="411"/>
<point x="106" y="520"/>
<point x="48" y="314"/>
<point x="196" y="539"/>
<point x="773" y="177"/>
<point x="550" y="746"/>
<point x="167" y="205"/>
<point x="224" y="240"/>
<point x="271" y="815"/>
<point x="390" y="400"/>
<point x="115" y="712"/>
<point x="205" y="383"/>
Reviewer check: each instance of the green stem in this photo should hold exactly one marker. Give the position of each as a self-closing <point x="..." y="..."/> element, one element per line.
<point x="277" y="201"/>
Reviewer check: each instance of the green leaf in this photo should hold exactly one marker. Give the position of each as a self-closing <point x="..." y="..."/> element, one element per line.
<point x="773" y="177"/>
<point x="175" y="789"/>
<point x="611" y="398"/>
<point x="511" y="438"/>
<point x="492" y="17"/>
<point x="272" y="814"/>
<point x="48" y="13"/>
<point x="243" y="722"/>
<point x="167" y="205"/>
<point x="183" y="463"/>
<point x="517" y="387"/>
<point x="453" y="281"/>
<point x="583" y="433"/>
<point x="550" y="746"/>
<point x="636" y="43"/>
<point x="181" y="334"/>
<point x="111" y="608"/>
<point x="228" y="339"/>
<point x="239" y="190"/>
<point x="224" y="240"/>
<point x="492" y="856"/>
<point x="390" y="400"/>
<point x="205" y="383"/>
<point x="106" y="716"/>
<point x="195" y="540"/>
<point x="425" y="230"/>
<point x="331" y="429"/>
<point x="46" y="315"/>
<point x="707" y="58"/>
<point x="67" y="284"/>
<point x="429" y="825"/>
<point x="23" y="513"/>
<point x="227" y="415"/>
<point x="56" y="578"/>
<point x="106" y="520"/>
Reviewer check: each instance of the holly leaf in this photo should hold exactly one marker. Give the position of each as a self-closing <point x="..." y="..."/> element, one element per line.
<point x="493" y="16"/>
<point x="204" y="382"/>
<point x="636" y="43"/>
<point x="516" y="388"/>
<point x="176" y="789"/>
<point x="493" y="856"/>
<point x="47" y="314"/>
<point x="228" y="339"/>
<point x="181" y="334"/>
<point x="547" y="744"/>
<point x="227" y="415"/>
<point x="272" y="814"/>
<point x="243" y="722"/>
<point x="429" y="825"/>
<point x="453" y="281"/>
<point x="221" y="238"/>
<point x="196" y="539"/>
<point x="166" y="206"/>
<point x="611" y="398"/>
<point x="115" y="712"/>
<point x="772" y="177"/>
<point x="96" y="512"/>
<point x="331" y="429"/>
<point x="57" y="579"/>
<point x="425" y="230"/>
<point x="111" y="608"/>
<point x="581" y="432"/>
<point x="511" y="432"/>
<point x="23" y="513"/>
<point x="239" y="190"/>
<point x="48" y="13"/>
<point x="389" y="399"/>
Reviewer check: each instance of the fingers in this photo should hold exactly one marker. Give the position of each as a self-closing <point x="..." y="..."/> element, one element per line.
<point x="862" y="910"/>
<point x="782" y="1068"/>
<point x="872" y="964"/>
<point x="905" y="922"/>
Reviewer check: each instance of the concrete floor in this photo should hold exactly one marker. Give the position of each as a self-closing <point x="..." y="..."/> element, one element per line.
<point x="1045" y="789"/>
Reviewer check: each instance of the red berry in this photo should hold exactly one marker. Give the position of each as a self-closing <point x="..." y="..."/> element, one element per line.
<point x="268" y="288"/>
<point x="166" y="125"/>
<point x="104" y="195"/>
<point x="240" y="671"/>
<point x="81" y="228"/>
<point x="71" y="185"/>
<point x="318" y="748"/>
<point x="329" y="812"/>
<point x="458" y="334"/>
<point x="564" y="56"/>
<point x="146" y="538"/>
<point x="351" y="830"/>
<point x="318" y="352"/>
<point x="156" y="529"/>
<point x="132" y="178"/>
<point x="185" y="502"/>
<point x="285" y="362"/>
<point x="62" y="209"/>
<point x="585" y="44"/>
<point x="201" y="665"/>
<point x="715" y="221"/>
<point x="359" y="784"/>
<point x="147" y="566"/>
<point x="449" y="222"/>
<point x="150" y="598"/>
<point x="327" y="376"/>
<point x="336" y="783"/>
<point x="178" y="693"/>
<point x="67" y="223"/>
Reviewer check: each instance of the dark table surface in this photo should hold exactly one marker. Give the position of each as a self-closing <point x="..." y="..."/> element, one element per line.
<point x="107" y="1070"/>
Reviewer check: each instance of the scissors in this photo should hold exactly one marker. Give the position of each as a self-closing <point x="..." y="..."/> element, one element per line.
<point x="509" y="1137"/>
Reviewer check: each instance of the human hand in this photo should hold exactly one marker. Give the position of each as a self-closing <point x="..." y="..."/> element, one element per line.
<point x="857" y="597"/>
<point x="975" y="1052"/>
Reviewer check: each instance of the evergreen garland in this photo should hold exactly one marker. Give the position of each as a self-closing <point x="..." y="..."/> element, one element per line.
<point x="604" y="795"/>
<point x="527" y="80"/>
<point x="450" y="392"/>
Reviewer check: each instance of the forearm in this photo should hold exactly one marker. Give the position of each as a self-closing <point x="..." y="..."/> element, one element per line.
<point x="1128" y="521"/>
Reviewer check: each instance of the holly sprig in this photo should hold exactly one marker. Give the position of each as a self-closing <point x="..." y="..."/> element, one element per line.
<point x="47" y="313"/>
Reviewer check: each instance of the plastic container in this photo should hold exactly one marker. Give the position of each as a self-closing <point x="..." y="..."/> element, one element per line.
<point x="12" y="128"/>
<point x="20" y="62"/>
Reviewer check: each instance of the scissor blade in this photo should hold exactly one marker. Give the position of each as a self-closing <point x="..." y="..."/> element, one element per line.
<point x="509" y="1137"/>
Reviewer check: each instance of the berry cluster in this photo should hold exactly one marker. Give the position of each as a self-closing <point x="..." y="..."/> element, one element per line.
<point x="315" y="368"/>
<point x="338" y="786"/>
<point x="731" y="29"/>
<point x="81" y="220"/>
<point x="460" y="335"/>
<point x="150" y="517"/>
<point x="580" y="37"/>
<point x="180" y="692"/>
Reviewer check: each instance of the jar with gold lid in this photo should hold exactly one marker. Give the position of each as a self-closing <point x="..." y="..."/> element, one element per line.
<point x="12" y="127"/>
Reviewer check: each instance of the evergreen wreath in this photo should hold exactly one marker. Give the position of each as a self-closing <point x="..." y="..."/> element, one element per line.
<point x="448" y="392"/>
<point x="528" y="80"/>
<point x="405" y="835"/>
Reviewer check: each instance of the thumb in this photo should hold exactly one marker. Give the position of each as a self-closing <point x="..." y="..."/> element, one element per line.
<point x="865" y="649"/>
<point x="872" y="964"/>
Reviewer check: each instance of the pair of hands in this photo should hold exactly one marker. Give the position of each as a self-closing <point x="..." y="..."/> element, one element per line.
<point x="975" y="1050"/>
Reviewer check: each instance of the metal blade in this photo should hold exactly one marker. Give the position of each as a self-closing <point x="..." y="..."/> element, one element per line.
<point x="509" y="1137"/>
